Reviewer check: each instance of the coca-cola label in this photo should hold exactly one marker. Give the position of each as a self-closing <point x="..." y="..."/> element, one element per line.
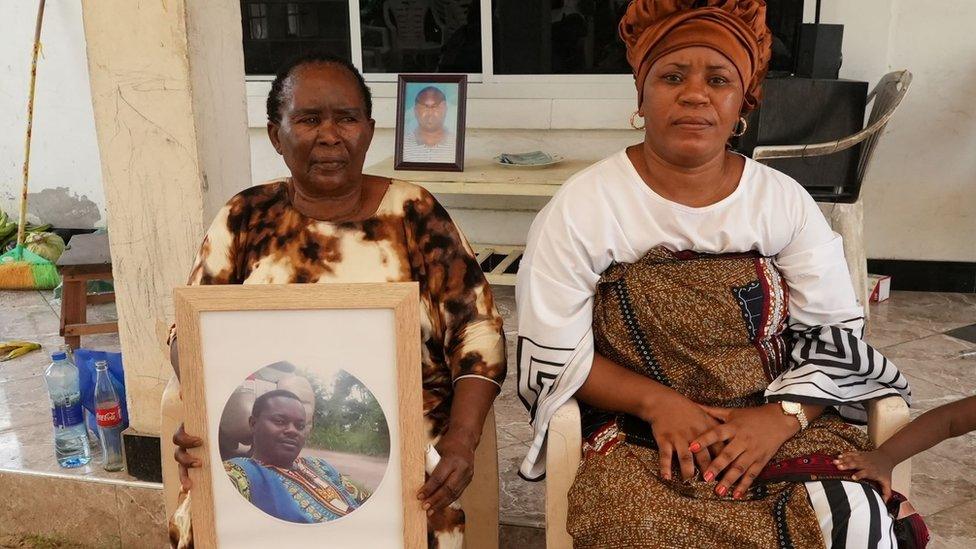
<point x="109" y="417"/>
<point x="67" y="415"/>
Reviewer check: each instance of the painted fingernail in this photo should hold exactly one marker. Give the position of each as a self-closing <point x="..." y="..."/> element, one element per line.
<point x="666" y="476"/>
<point x="430" y="513"/>
<point x="709" y="476"/>
<point x="737" y="495"/>
<point x="695" y="447"/>
<point x="721" y="490"/>
<point x="426" y="506"/>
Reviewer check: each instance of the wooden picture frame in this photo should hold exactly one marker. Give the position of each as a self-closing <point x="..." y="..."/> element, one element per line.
<point x="229" y="330"/>
<point x="443" y="99"/>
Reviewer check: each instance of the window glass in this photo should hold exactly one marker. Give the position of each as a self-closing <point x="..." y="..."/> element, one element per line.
<point x="421" y="36"/>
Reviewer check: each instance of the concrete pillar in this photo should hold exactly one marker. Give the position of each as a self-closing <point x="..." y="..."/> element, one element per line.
<point x="167" y="81"/>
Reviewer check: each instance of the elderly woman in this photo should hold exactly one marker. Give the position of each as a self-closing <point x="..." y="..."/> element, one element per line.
<point x="699" y="307"/>
<point x="328" y="222"/>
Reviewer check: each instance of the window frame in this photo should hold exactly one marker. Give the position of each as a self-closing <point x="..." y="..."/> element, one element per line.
<point x="589" y="91"/>
<point x="487" y="76"/>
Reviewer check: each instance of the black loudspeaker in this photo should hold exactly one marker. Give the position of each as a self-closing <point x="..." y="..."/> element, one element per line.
<point x="819" y="53"/>
<point x="798" y="111"/>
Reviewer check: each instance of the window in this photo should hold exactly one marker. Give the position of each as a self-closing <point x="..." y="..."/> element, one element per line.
<point x="558" y="37"/>
<point x="529" y="37"/>
<point x="421" y="36"/>
<point x="522" y="37"/>
<point x="256" y="22"/>
<point x="275" y="31"/>
<point x="302" y="20"/>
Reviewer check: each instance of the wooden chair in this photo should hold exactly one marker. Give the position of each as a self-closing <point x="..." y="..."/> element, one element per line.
<point x="842" y="204"/>
<point x="480" y="499"/>
<point x="564" y="452"/>
<point x="86" y="258"/>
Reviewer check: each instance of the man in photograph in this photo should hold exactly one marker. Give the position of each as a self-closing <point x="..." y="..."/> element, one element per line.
<point x="279" y="482"/>
<point x="430" y="141"/>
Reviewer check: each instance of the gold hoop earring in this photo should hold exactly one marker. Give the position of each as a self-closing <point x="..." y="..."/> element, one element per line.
<point x="633" y="121"/>
<point x="745" y="126"/>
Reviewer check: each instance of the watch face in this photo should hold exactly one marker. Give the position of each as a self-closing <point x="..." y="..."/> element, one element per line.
<point x="791" y="408"/>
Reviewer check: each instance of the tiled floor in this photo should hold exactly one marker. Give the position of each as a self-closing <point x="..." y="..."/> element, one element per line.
<point x="910" y="329"/>
<point x="100" y="508"/>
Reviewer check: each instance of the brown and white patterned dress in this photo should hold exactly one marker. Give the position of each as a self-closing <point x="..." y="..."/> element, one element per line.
<point x="259" y="237"/>
<point x="712" y="328"/>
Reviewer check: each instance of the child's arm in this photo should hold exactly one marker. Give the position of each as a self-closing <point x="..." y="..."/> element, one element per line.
<point x="929" y="429"/>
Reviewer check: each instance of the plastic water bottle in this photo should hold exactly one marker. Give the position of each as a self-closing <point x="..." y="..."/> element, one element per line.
<point x="108" y="414"/>
<point x="70" y="436"/>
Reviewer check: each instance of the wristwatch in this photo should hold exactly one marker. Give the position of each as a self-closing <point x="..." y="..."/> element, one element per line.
<point x="794" y="409"/>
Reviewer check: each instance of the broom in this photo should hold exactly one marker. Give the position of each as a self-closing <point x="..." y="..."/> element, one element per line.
<point x="21" y="269"/>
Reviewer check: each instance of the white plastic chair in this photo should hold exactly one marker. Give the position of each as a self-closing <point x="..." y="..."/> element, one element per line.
<point x="844" y="207"/>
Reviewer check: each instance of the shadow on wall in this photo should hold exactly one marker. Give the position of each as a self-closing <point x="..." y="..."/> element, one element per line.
<point x="57" y="206"/>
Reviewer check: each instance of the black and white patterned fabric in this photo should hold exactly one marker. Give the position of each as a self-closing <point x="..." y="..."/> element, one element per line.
<point x="833" y="366"/>
<point x="851" y="515"/>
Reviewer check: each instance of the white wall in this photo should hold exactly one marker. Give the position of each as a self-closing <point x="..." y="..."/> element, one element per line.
<point x="65" y="176"/>
<point x="920" y="192"/>
<point x="920" y="195"/>
<point x="867" y="30"/>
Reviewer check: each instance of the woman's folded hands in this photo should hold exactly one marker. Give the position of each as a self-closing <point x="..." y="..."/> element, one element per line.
<point x="750" y="438"/>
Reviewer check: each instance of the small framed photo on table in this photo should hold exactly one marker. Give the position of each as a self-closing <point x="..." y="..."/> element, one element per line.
<point x="308" y="399"/>
<point x="430" y="122"/>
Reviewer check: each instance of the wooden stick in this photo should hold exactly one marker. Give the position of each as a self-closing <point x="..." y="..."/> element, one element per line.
<point x="21" y="228"/>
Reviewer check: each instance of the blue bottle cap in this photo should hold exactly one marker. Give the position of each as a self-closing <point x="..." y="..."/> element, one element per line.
<point x="58" y="356"/>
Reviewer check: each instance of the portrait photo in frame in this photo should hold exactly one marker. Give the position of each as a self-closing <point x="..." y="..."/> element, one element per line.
<point x="297" y="471"/>
<point x="430" y="122"/>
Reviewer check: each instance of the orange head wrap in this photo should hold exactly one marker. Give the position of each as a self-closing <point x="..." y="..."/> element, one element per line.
<point x="735" y="28"/>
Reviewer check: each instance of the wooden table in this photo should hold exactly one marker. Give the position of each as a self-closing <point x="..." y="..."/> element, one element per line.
<point x="484" y="176"/>
<point x="87" y="258"/>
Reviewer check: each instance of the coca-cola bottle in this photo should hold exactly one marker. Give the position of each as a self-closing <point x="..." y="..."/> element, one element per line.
<point x="108" y="414"/>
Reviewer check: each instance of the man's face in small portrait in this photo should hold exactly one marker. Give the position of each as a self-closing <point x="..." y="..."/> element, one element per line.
<point x="430" y="110"/>
<point x="279" y="431"/>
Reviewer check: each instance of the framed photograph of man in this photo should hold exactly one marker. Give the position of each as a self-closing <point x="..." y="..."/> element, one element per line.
<point x="308" y="400"/>
<point x="430" y="122"/>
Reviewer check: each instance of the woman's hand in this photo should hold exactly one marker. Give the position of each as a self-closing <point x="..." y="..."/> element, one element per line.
<point x="875" y="466"/>
<point x="676" y="421"/>
<point x="183" y="443"/>
<point x="751" y="436"/>
<point x="452" y="474"/>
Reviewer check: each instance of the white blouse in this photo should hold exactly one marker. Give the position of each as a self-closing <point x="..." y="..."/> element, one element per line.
<point x="606" y="214"/>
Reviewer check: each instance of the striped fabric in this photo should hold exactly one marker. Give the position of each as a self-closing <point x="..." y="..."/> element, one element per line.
<point x="851" y="515"/>
<point x="833" y="366"/>
<point x="416" y="151"/>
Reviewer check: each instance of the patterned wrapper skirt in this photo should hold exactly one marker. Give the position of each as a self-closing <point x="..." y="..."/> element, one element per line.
<point x="713" y="328"/>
